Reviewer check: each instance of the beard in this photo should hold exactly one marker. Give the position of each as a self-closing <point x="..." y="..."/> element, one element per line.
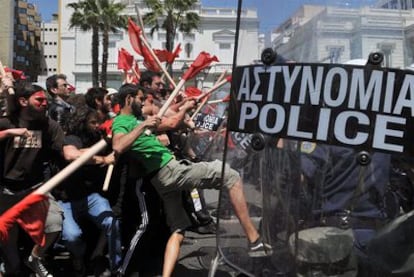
<point x="136" y="110"/>
<point x="36" y="114"/>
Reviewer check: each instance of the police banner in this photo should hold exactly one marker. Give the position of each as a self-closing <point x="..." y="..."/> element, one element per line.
<point x="207" y="121"/>
<point x="347" y="105"/>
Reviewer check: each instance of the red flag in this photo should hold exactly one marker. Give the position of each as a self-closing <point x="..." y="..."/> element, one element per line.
<point x="192" y="92"/>
<point x="166" y="56"/>
<point x="134" y="33"/>
<point x="162" y="55"/>
<point x="71" y="88"/>
<point x="226" y="99"/>
<point x="106" y="126"/>
<point x="17" y="74"/>
<point x="202" y="61"/>
<point x="30" y="213"/>
<point x="125" y="59"/>
<point x="151" y="64"/>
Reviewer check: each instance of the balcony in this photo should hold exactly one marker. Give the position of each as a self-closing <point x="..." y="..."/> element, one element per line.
<point x="113" y="67"/>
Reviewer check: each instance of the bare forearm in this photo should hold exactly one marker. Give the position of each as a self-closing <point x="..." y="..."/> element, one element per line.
<point x="122" y="142"/>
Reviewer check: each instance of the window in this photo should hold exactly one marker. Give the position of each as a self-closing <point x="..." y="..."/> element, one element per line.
<point x="22" y="27"/>
<point x="188" y="49"/>
<point x="225" y="45"/>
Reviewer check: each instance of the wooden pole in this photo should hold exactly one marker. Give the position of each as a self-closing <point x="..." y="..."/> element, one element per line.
<point x="167" y="103"/>
<point x="164" y="71"/>
<point x="72" y="167"/>
<point x="3" y="74"/>
<point x="216" y="86"/>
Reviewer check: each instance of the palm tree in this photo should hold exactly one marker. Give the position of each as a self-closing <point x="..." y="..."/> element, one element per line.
<point x="86" y="18"/>
<point x="176" y="16"/>
<point x="109" y="20"/>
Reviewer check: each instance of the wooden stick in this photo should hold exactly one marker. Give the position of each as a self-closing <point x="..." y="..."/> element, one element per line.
<point x="167" y="103"/>
<point x="136" y="73"/>
<point x="3" y="74"/>
<point x="215" y="101"/>
<point x="220" y="78"/>
<point x="108" y="177"/>
<point x="157" y="60"/>
<point x="216" y="86"/>
<point x="72" y="167"/>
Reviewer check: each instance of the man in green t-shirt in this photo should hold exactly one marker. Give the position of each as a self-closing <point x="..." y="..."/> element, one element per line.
<point x="168" y="175"/>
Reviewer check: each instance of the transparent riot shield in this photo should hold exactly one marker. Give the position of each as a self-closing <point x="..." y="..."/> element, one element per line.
<point x="318" y="128"/>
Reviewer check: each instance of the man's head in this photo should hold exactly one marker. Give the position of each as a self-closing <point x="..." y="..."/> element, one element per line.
<point x="98" y="99"/>
<point x="131" y="99"/>
<point x="57" y="86"/>
<point x="84" y="123"/>
<point x="152" y="80"/>
<point x="31" y="101"/>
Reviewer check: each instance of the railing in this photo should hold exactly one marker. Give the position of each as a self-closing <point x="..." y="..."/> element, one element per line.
<point x="177" y="67"/>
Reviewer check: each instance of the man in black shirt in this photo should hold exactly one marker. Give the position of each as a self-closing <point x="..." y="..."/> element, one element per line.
<point x="29" y="140"/>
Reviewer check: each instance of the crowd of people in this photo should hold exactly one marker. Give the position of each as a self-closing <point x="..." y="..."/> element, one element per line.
<point x="42" y="131"/>
<point x="156" y="173"/>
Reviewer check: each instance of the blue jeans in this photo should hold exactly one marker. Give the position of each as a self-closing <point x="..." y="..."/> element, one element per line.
<point x="96" y="208"/>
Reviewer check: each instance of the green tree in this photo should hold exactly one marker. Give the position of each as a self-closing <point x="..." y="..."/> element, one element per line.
<point x="109" y="20"/>
<point x="86" y="18"/>
<point x="99" y="16"/>
<point x="173" y="15"/>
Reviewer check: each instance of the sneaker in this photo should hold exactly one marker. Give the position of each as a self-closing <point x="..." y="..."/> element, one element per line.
<point x="259" y="249"/>
<point x="209" y="229"/>
<point x="37" y="266"/>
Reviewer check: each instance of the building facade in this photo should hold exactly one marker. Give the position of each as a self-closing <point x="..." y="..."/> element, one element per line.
<point x="50" y="41"/>
<point x="20" y="41"/>
<point x="216" y="35"/>
<point x="336" y="35"/>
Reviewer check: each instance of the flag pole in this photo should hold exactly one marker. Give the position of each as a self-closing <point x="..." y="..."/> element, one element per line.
<point x="3" y="74"/>
<point x="167" y="103"/>
<point x="164" y="71"/>
<point x="207" y="95"/>
<point x="72" y="167"/>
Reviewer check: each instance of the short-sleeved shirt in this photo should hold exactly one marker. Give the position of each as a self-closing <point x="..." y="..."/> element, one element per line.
<point x="24" y="161"/>
<point x="146" y="149"/>
<point x="335" y="173"/>
<point x="84" y="181"/>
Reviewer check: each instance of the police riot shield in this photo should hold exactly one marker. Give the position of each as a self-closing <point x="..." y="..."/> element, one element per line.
<point x="319" y="128"/>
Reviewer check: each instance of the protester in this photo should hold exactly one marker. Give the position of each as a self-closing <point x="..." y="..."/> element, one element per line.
<point x="79" y="194"/>
<point x="58" y="88"/>
<point x="169" y="176"/>
<point x="29" y="142"/>
<point x="99" y="100"/>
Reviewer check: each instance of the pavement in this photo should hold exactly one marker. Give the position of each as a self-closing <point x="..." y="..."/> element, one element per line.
<point x="197" y="251"/>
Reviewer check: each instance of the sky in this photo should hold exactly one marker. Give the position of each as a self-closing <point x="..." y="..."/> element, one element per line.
<point x="271" y="12"/>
